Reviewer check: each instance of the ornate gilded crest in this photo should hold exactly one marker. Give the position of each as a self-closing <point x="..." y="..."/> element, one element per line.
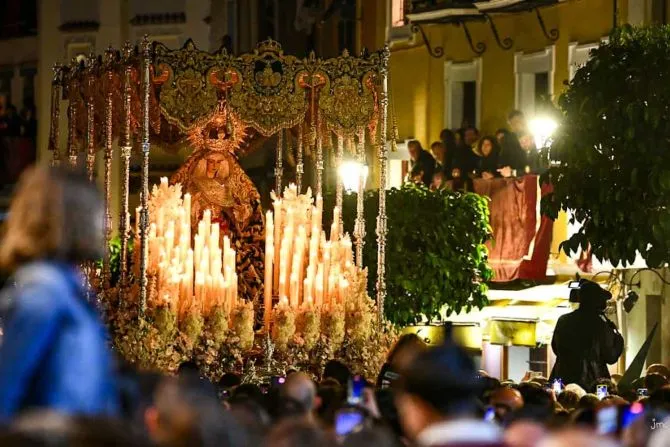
<point x="186" y="96"/>
<point x="348" y="100"/>
<point x="269" y="96"/>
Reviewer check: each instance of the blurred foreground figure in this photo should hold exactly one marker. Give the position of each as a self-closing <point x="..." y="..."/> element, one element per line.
<point x="585" y="341"/>
<point x="187" y="413"/>
<point x="577" y="438"/>
<point x="53" y="352"/>
<point x="436" y="400"/>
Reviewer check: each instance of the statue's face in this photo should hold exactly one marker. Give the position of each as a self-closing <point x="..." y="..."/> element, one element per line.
<point x="212" y="167"/>
<point x="217" y="168"/>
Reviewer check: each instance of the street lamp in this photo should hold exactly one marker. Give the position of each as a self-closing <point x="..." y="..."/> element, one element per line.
<point x="351" y="172"/>
<point x="542" y="130"/>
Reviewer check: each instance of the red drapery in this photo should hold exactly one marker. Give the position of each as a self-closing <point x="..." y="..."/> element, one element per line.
<point x="521" y="236"/>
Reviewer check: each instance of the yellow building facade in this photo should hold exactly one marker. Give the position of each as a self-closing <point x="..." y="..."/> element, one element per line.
<point x="504" y="71"/>
<point x="419" y="81"/>
<point x="441" y="80"/>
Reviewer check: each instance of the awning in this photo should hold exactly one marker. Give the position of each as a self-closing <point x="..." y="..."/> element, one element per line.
<point x="447" y="11"/>
<point x="461" y="12"/>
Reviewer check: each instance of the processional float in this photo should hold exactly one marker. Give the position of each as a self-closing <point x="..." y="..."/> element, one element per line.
<point x="206" y="259"/>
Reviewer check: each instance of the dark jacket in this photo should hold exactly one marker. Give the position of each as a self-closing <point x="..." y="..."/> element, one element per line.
<point x="425" y="164"/>
<point x="530" y="163"/>
<point x="584" y="342"/>
<point x="54" y="351"/>
<point x="465" y="160"/>
<point x="489" y="164"/>
<point x="511" y="153"/>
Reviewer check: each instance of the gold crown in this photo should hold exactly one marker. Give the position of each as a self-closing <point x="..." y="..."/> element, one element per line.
<point x="269" y="46"/>
<point x="223" y="132"/>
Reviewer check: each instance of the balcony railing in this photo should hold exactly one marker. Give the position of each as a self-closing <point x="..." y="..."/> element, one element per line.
<point x="419" y="6"/>
<point x="17" y="30"/>
<point x="18" y="18"/>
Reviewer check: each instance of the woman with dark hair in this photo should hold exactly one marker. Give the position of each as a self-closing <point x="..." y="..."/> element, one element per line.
<point x="54" y="349"/>
<point x="489" y="151"/>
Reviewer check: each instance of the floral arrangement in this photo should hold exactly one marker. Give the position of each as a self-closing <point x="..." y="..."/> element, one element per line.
<point x="283" y="327"/>
<point x="308" y="326"/>
<point x="242" y="324"/>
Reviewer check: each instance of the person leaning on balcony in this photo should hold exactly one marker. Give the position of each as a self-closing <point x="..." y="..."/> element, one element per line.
<point x="439" y="152"/>
<point x="465" y="160"/>
<point x="449" y="141"/>
<point x="488" y="152"/>
<point x="423" y="164"/>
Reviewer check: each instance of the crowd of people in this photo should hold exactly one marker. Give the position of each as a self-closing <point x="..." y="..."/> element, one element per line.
<point x="463" y="154"/>
<point x="61" y="385"/>
<point x="18" y="124"/>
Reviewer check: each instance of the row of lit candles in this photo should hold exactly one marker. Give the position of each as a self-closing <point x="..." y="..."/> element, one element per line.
<point x="302" y="267"/>
<point x="202" y="276"/>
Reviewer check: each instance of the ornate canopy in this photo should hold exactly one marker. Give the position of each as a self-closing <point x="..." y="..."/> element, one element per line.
<point x="265" y="90"/>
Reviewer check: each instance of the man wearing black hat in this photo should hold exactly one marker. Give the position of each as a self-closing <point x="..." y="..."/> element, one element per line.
<point x="436" y="401"/>
<point x="585" y="341"/>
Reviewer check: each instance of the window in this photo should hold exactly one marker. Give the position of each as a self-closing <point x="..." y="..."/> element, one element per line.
<point x="397" y="13"/>
<point x="469" y="105"/>
<point x="534" y="80"/>
<point x="72" y="11"/>
<point x="541" y="91"/>
<point x="346" y="26"/>
<point x="579" y="54"/>
<point x="659" y="12"/>
<point x="463" y="93"/>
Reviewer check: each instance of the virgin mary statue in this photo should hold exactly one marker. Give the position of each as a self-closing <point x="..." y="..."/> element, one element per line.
<point x="216" y="181"/>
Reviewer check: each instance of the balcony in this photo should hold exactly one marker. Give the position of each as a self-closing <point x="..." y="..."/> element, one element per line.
<point x="18" y="19"/>
<point x="450" y="11"/>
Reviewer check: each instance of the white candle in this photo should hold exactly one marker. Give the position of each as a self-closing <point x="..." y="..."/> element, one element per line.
<point x="187" y="207"/>
<point x="294" y="290"/>
<point x="344" y="290"/>
<point x="277" y="237"/>
<point x="326" y="272"/>
<point x="335" y="226"/>
<point x="318" y="287"/>
<point x="269" y="260"/>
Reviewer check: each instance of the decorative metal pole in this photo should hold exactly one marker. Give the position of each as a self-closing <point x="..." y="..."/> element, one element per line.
<point x="144" y="194"/>
<point x="73" y="91"/>
<point x="279" y="169"/>
<point x="359" y="226"/>
<point x="299" y="166"/>
<point x="90" y="116"/>
<point x="109" y="153"/>
<point x="339" y="186"/>
<point x="383" y="168"/>
<point x="319" y="155"/>
<point x="54" y="129"/>
<point x="126" y="148"/>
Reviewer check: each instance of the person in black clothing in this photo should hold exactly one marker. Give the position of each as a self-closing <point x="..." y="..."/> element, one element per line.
<point x="403" y="353"/>
<point x="423" y="164"/>
<point x="488" y="163"/>
<point x="439" y="153"/>
<point x="585" y="341"/>
<point x="510" y="151"/>
<point x="449" y="141"/>
<point x="530" y="160"/>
